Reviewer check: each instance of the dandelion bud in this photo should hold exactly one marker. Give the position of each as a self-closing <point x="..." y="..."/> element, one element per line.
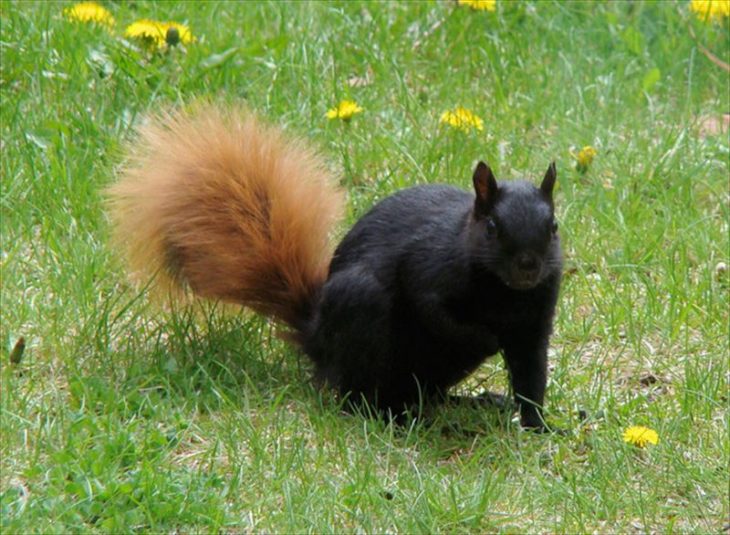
<point x="172" y="37"/>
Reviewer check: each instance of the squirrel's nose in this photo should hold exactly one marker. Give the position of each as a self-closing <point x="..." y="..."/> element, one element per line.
<point x="528" y="263"/>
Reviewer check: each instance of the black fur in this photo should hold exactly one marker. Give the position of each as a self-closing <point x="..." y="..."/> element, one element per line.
<point x="431" y="282"/>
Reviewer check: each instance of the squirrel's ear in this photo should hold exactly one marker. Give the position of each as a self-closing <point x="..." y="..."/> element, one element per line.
<point x="485" y="186"/>
<point x="549" y="181"/>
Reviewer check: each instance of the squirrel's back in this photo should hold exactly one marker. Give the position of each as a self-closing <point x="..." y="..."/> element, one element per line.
<point x="431" y="213"/>
<point x="230" y="207"/>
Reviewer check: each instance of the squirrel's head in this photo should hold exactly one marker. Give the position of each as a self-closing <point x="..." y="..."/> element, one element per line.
<point x="513" y="232"/>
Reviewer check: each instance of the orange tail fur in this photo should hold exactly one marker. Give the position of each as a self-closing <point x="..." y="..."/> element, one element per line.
<point x="230" y="207"/>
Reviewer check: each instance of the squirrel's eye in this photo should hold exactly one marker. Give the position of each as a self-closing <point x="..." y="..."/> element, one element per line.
<point x="554" y="226"/>
<point x="491" y="227"/>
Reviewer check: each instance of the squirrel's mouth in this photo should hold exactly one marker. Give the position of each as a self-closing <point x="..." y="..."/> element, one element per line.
<point x="522" y="284"/>
<point x="521" y="280"/>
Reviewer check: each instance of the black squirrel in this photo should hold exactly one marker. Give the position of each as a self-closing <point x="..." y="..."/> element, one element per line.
<point x="430" y="282"/>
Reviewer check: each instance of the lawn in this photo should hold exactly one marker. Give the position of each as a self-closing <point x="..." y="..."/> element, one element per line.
<point x="119" y="416"/>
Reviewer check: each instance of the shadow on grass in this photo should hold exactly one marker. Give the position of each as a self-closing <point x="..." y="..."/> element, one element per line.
<point x="210" y="360"/>
<point x="157" y="418"/>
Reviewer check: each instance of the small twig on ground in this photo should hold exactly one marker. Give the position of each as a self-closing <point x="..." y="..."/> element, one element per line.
<point x="712" y="57"/>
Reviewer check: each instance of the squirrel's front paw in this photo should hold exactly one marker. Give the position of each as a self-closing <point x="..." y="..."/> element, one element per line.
<point x="538" y="425"/>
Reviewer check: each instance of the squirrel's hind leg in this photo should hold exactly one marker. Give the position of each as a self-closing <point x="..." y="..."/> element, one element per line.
<point x="350" y="338"/>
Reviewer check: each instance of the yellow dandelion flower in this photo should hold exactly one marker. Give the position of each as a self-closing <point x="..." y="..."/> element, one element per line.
<point x="148" y="30"/>
<point x="584" y="158"/>
<point x="89" y="12"/>
<point x="710" y="10"/>
<point x="479" y="5"/>
<point x="159" y="34"/>
<point x="640" y="436"/>
<point x="462" y="119"/>
<point x="344" y="110"/>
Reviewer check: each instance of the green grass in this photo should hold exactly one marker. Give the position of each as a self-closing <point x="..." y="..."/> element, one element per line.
<point x="121" y="417"/>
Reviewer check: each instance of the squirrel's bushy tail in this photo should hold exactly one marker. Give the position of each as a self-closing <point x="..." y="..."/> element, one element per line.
<point x="217" y="201"/>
